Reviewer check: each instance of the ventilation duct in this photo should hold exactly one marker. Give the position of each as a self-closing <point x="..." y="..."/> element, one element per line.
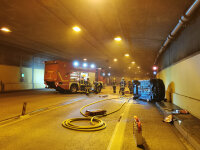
<point x="178" y="27"/>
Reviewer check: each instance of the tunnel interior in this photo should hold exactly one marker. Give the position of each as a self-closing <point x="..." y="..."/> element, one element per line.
<point x="110" y="39"/>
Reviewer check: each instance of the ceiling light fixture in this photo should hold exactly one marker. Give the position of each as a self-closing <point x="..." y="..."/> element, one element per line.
<point x="76" y="29"/>
<point x="85" y="59"/>
<point x="4" y="29"/>
<point x="115" y="60"/>
<point x="118" y="38"/>
<point x="127" y="55"/>
<point x="133" y="62"/>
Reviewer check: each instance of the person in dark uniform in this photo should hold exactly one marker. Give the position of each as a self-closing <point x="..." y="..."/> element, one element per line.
<point x="88" y="86"/>
<point x="87" y="83"/>
<point x="122" y="86"/>
<point x="114" y="84"/>
<point x="82" y="84"/>
<point x="130" y="86"/>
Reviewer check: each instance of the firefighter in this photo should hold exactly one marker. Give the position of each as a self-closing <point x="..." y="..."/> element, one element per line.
<point x="82" y="84"/>
<point x="97" y="87"/>
<point x="87" y="86"/>
<point x="130" y="86"/>
<point x="122" y="86"/>
<point x="114" y="84"/>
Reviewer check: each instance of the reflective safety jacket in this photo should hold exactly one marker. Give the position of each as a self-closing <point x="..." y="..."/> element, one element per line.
<point x="122" y="84"/>
<point x="82" y="82"/>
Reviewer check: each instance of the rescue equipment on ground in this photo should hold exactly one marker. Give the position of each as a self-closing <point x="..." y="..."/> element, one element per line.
<point x="179" y="111"/>
<point x="95" y="112"/>
<point x="137" y="131"/>
<point x="96" y="123"/>
<point x="182" y="111"/>
<point x="168" y="118"/>
<point x="103" y="96"/>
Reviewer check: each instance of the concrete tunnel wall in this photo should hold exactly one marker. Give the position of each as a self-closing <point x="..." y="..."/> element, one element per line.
<point x="180" y="68"/>
<point x="14" y="62"/>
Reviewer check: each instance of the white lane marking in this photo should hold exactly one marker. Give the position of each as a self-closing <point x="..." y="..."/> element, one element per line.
<point x="117" y="138"/>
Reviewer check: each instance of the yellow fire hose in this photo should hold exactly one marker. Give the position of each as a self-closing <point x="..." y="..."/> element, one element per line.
<point x="96" y="123"/>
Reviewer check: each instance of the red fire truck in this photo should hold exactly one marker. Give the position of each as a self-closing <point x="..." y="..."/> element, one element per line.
<point x="65" y="76"/>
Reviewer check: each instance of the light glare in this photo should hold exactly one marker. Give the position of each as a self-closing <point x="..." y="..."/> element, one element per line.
<point x="115" y="59"/>
<point x="92" y="66"/>
<point x="155" y="68"/>
<point x="4" y="29"/>
<point x="154" y="72"/>
<point x="85" y="65"/>
<point x="127" y="55"/>
<point x="76" y="29"/>
<point x="76" y="63"/>
<point x="118" y="38"/>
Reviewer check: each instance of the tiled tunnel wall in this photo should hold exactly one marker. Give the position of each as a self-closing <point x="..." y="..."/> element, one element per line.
<point x="180" y="68"/>
<point x="21" y="69"/>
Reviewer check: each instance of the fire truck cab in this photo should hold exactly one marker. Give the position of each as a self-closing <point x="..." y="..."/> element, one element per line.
<point x="63" y="76"/>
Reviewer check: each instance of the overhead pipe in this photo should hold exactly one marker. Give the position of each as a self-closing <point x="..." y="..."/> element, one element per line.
<point x="178" y="27"/>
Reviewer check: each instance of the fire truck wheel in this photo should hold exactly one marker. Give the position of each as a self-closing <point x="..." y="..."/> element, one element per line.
<point x="73" y="89"/>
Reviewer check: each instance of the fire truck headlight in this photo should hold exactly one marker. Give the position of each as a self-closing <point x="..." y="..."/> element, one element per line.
<point x="85" y="65"/>
<point x="109" y="74"/>
<point x="103" y="74"/>
<point x="92" y="66"/>
<point x="75" y="63"/>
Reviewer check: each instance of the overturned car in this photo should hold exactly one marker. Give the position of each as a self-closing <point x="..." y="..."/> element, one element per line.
<point x="150" y="90"/>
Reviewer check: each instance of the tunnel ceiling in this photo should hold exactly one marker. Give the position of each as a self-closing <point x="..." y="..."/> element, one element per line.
<point x="46" y="26"/>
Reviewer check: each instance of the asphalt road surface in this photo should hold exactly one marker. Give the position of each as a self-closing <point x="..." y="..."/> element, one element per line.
<point x="43" y="129"/>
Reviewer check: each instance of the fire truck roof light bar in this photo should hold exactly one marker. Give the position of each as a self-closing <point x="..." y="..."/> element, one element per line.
<point x="75" y="63"/>
<point x="92" y="66"/>
<point x="85" y="65"/>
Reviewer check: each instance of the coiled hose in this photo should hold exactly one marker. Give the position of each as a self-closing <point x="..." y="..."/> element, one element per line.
<point x="96" y="122"/>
